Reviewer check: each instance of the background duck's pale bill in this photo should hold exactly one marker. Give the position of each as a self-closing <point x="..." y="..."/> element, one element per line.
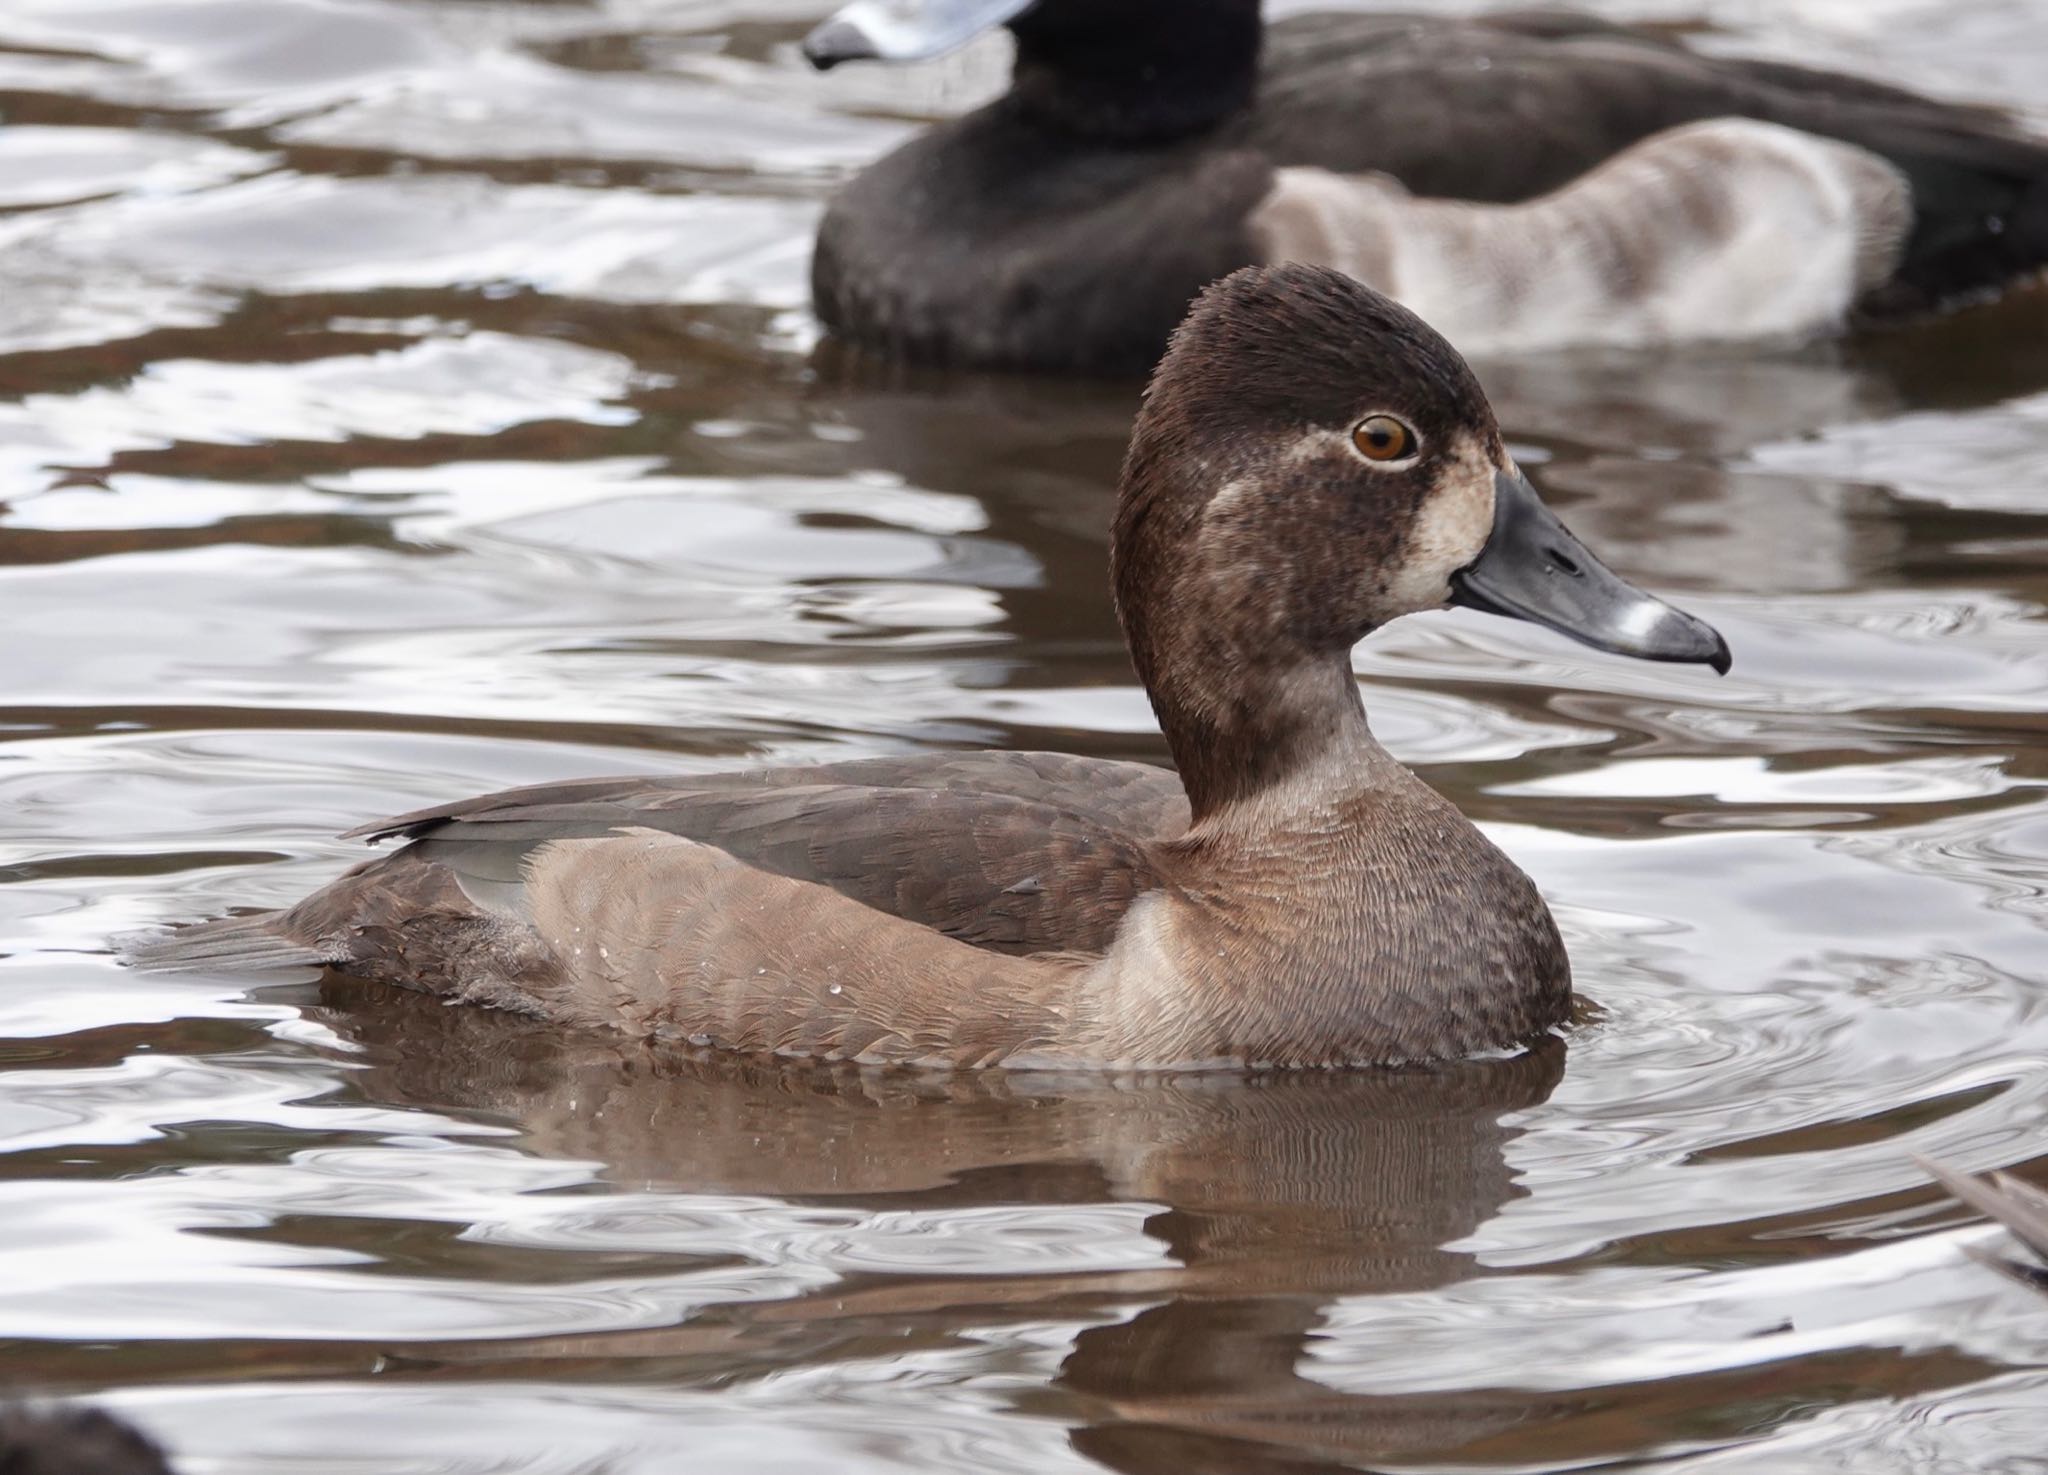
<point x="1532" y="568"/>
<point x="903" y="30"/>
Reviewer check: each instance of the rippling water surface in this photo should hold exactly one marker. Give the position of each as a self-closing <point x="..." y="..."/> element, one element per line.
<point x="409" y="397"/>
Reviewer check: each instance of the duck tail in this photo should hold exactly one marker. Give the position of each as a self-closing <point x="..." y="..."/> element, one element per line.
<point x="1980" y="205"/>
<point x="2031" y="222"/>
<point x="231" y="944"/>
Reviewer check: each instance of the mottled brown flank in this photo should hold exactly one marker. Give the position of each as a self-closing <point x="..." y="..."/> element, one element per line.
<point x="1305" y="901"/>
<point x="1012" y="852"/>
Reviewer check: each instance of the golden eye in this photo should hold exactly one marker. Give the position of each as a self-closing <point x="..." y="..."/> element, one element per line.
<point x="1383" y="438"/>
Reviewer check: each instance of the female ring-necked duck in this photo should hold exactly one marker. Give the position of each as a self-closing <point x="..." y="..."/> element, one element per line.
<point x="1311" y="461"/>
<point x="1573" y="182"/>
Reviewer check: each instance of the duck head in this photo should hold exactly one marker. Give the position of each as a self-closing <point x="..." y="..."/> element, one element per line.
<point x="1127" y="69"/>
<point x="917" y="30"/>
<point x="1312" y="461"/>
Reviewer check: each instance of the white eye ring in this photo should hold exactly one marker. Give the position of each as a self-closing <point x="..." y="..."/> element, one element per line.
<point x="1385" y="442"/>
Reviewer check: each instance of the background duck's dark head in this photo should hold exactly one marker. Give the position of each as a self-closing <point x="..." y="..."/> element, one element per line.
<point x="1122" y="68"/>
<point x="1313" y="460"/>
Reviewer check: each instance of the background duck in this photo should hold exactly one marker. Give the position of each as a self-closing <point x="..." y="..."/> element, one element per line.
<point x="1524" y="182"/>
<point x="1311" y="462"/>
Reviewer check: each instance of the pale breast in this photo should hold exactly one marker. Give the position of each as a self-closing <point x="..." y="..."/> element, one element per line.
<point x="1729" y="229"/>
<point x="1318" y="924"/>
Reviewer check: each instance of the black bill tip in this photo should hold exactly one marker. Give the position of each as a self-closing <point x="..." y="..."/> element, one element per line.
<point x="1720" y="658"/>
<point x="1533" y="569"/>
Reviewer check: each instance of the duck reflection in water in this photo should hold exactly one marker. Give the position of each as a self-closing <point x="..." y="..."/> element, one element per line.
<point x="1276" y="1195"/>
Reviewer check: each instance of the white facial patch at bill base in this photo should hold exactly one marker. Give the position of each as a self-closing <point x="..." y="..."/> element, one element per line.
<point x="1728" y="229"/>
<point x="1449" y="531"/>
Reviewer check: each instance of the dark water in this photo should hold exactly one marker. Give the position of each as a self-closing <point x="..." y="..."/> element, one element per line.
<point x="405" y="399"/>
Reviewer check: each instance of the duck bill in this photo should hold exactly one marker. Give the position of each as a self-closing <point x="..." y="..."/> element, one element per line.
<point x="1532" y="568"/>
<point x="903" y="30"/>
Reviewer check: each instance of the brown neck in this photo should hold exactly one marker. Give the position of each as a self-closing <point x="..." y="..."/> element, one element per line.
<point x="1243" y="718"/>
